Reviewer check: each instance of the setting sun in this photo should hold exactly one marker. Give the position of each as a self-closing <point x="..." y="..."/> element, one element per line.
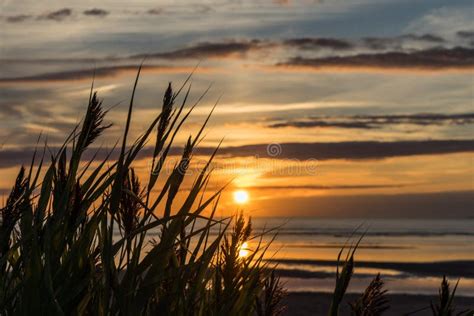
<point x="169" y="165"/>
<point x="241" y="196"/>
<point x="244" y="250"/>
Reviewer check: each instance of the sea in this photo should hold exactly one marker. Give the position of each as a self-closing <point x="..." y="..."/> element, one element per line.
<point x="411" y="255"/>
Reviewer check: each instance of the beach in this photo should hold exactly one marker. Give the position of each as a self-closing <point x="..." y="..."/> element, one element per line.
<point x="312" y="303"/>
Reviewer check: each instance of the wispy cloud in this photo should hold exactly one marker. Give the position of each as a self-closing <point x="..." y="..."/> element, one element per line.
<point x="465" y="34"/>
<point x="431" y="59"/>
<point x="378" y="121"/>
<point x="444" y="20"/>
<point x="326" y="187"/>
<point x="424" y="38"/>
<point x="308" y="50"/>
<point x="96" y="12"/>
<point x="155" y="11"/>
<point x="202" y="50"/>
<point x="398" y="42"/>
<point x="86" y="74"/>
<point x="210" y="50"/>
<point x="58" y="15"/>
<point x="315" y="43"/>
<point x="18" y="18"/>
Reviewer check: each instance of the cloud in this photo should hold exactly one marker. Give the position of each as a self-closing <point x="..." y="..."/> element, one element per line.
<point x="207" y="50"/>
<point x="62" y="60"/>
<point x="239" y="48"/>
<point x="86" y="74"/>
<point x="195" y="8"/>
<point x="379" y="121"/>
<point x="325" y="187"/>
<point x="368" y="150"/>
<point x="321" y="123"/>
<point x="314" y="43"/>
<point x="203" y="50"/>
<point x="156" y="11"/>
<point x="58" y="15"/>
<point x="316" y="187"/>
<point x="444" y="20"/>
<point x="18" y="18"/>
<point x="210" y="50"/>
<point x="465" y="34"/>
<point x="201" y="8"/>
<point x="397" y="43"/>
<point x="424" y="38"/>
<point x="434" y="59"/>
<point x="96" y="12"/>
<point x="350" y="150"/>
<point x="380" y="43"/>
<point x="431" y="59"/>
<point x="14" y="100"/>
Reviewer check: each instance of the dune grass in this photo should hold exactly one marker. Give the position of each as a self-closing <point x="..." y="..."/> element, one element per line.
<point x="75" y="239"/>
<point x="374" y="300"/>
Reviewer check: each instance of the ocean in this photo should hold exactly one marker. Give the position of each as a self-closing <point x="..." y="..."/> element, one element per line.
<point x="412" y="255"/>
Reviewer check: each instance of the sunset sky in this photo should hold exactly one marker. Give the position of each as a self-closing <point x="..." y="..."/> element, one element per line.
<point x="328" y="107"/>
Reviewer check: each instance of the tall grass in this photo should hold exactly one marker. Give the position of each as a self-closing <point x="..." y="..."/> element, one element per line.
<point x="374" y="300"/>
<point x="74" y="239"/>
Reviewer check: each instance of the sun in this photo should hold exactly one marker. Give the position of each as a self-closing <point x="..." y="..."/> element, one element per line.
<point x="241" y="196"/>
<point x="244" y="250"/>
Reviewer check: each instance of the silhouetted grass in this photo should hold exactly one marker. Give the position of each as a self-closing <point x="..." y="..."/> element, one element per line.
<point x="374" y="301"/>
<point x="59" y="255"/>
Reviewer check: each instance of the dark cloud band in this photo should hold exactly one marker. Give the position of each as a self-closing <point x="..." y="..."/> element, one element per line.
<point x="96" y="12"/>
<point x="18" y="18"/>
<point x="315" y="43"/>
<point x="58" y="15"/>
<point x="353" y="150"/>
<point x="368" y="150"/>
<point x="430" y="59"/>
<point x="86" y="74"/>
<point x="379" y="121"/>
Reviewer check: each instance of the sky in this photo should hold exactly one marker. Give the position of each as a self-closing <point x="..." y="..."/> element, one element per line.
<point x="360" y="108"/>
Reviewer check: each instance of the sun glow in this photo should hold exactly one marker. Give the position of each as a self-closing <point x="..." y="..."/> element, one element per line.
<point x="244" y="250"/>
<point x="241" y="196"/>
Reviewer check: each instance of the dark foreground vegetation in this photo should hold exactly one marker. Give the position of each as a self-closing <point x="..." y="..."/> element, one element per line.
<point x="74" y="234"/>
<point x="311" y="303"/>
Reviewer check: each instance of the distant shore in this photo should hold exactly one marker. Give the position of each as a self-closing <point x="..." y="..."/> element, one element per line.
<point x="313" y="303"/>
